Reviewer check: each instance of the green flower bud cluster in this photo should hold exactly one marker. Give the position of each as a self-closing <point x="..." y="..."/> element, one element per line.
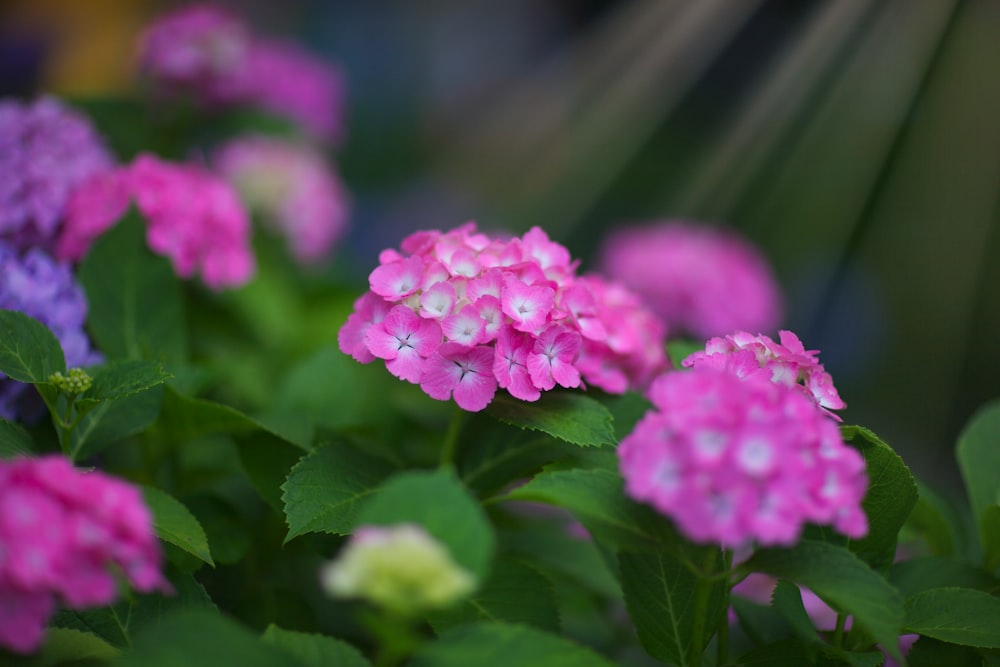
<point x="75" y="382"/>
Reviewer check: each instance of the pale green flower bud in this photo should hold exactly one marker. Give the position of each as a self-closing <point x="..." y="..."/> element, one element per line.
<point x="400" y="568"/>
<point x="75" y="382"/>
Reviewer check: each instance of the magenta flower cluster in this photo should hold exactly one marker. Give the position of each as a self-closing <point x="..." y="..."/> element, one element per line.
<point x="786" y="362"/>
<point x="293" y="187"/>
<point x="38" y="286"/>
<point x="212" y="55"/>
<point x="735" y="460"/>
<point x="193" y="217"/>
<point x="64" y="537"/>
<point x="462" y="314"/>
<point x="46" y="150"/>
<point x="702" y="280"/>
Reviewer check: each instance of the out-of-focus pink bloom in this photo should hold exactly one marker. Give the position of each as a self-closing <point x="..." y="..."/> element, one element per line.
<point x="63" y="533"/>
<point x="705" y="281"/>
<point x="736" y="461"/>
<point x="193" y="217"/>
<point x="516" y="301"/>
<point x="212" y="56"/>
<point x="293" y="187"/>
<point x="786" y="362"/>
<point x="46" y="150"/>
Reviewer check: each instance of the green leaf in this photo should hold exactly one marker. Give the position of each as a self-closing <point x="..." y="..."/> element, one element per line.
<point x="841" y="580"/>
<point x="227" y="532"/>
<point x="929" y="652"/>
<point x="444" y="507"/>
<point x="190" y="638"/>
<point x="67" y="645"/>
<point x="892" y="493"/>
<point x="679" y="349"/>
<point x="29" y="351"/>
<point x="14" y="440"/>
<point x="934" y="519"/>
<point x="919" y="574"/>
<point x="134" y="298"/>
<point x="566" y="415"/>
<point x="955" y="615"/>
<point x="660" y="596"/>
<point x="979" y="458"/>
<point x="503" y="645"/>
<point x="787" y="601"/>
<point x="175" y="524"/>
<point x="112" y="420"/>
<point x="314" y="650"/>
<point x="324" y="490"/>
<point x="117" y="379"/>
<point x="989" y="533"/>
<point x="267" y="461"/>
<point x="514" y="593"/>
<point x="596" y="498"/>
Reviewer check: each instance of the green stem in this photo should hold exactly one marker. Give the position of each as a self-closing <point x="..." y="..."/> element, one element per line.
<point x="450" y="444"/>
<point x="702" y="593"/>
<point x="838" y="632"/>
<point x="722" y="646"/>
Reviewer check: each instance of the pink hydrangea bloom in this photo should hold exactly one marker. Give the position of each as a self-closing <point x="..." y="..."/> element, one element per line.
<point x="736" y="461"/>
<point x="193" y="217"/>
<point x="64" y="534"/>
<point x="294" y="188"/>
<point x="212" y="56"/>
<point x="701" y="280"/>
<point x="786" y="362"/>
<point x="510" y="313"/>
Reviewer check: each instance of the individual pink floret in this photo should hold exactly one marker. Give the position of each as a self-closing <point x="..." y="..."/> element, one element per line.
<point x="701" y="280"/>
<point x="787" y="363"/>
<point x="517" y="299"/>
<point x="741" y="461"/>
<point x="64" y="534"/>
<point x="404" y="340"/>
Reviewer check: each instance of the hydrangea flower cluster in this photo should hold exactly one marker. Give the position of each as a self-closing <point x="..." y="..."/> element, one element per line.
<point x="212" y="54"/>
<point x="40" y="287"/>
<point x="737" y="460"/>
<point x="46" y="150"/>
<point x="194" y="217"/>
<point x="786" y="362"/>
<point x="294" y="188"/>
<point x="702" y="280"/>
<point x="462" y="314"/>
<point x="64" y="535"/>
<point x="401" y="568"/>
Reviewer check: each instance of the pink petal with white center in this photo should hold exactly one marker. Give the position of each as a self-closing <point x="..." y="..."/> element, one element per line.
<point x="552" y="358"/>
<point x="489" y="283"/>
<point x="434" y="272"/>
<point x="527" y="306"/>
<point x="510" y="364"/>
<point x="465" y="327"/>
<point x="466" y="373"/>
<point x="384" y="340"/>
<point x="369" y="309"/>
<point x="547" y="253"/>
<point x="437" y="300"/>
<point x="491" y="313"/>
<point x="463" y="263"/>
<point x="397" y="280"/>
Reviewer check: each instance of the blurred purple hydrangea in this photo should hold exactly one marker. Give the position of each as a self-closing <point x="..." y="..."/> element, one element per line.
<point x="212" y="55"/>
<point x="46" y="149"/>
<point x="294" y="188"/>
<point x="40" y="287"/>
<point x="704" y="281"/>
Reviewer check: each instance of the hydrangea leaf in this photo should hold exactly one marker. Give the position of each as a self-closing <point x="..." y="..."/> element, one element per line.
<point x="929" y="652"/>
<point x="914" y="575"/>
<point x="566" y="415"/>
<point x="795" y="653"/>
<point x="502" y="644"/>
<point x="787" y="601"/>
<point x="314" y="650"/>
<point x="596" y="498"/>
<point x="68" y="645"/>
<point x="841" y="580"/>
<point x="513" y="592"/>
<point x="955" y="615"/>
<point x="324" y="490"/>
<point x="14" y="440"/>
<point x="989" y="533"/>
<point x="660" y="594"/>
<point x="134" y="297"/>
<point x="175" y="524"/>
<point x="979" y="458"/>
<point x="111" y="420"/>
<point x="210" y="637"/>
<point x="117" y="379"/>
<point x="29" y="351"/>
<point x="440" y="503"/>
<point x="892" y="493"/>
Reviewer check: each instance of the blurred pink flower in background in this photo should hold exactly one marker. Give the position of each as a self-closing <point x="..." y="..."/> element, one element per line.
<point x="64" y="535"/>
<point x="212" y="56"/>
<point x="704" y="281"/>
<point x="296" y="191"/>
<point x="193" y="217"/>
